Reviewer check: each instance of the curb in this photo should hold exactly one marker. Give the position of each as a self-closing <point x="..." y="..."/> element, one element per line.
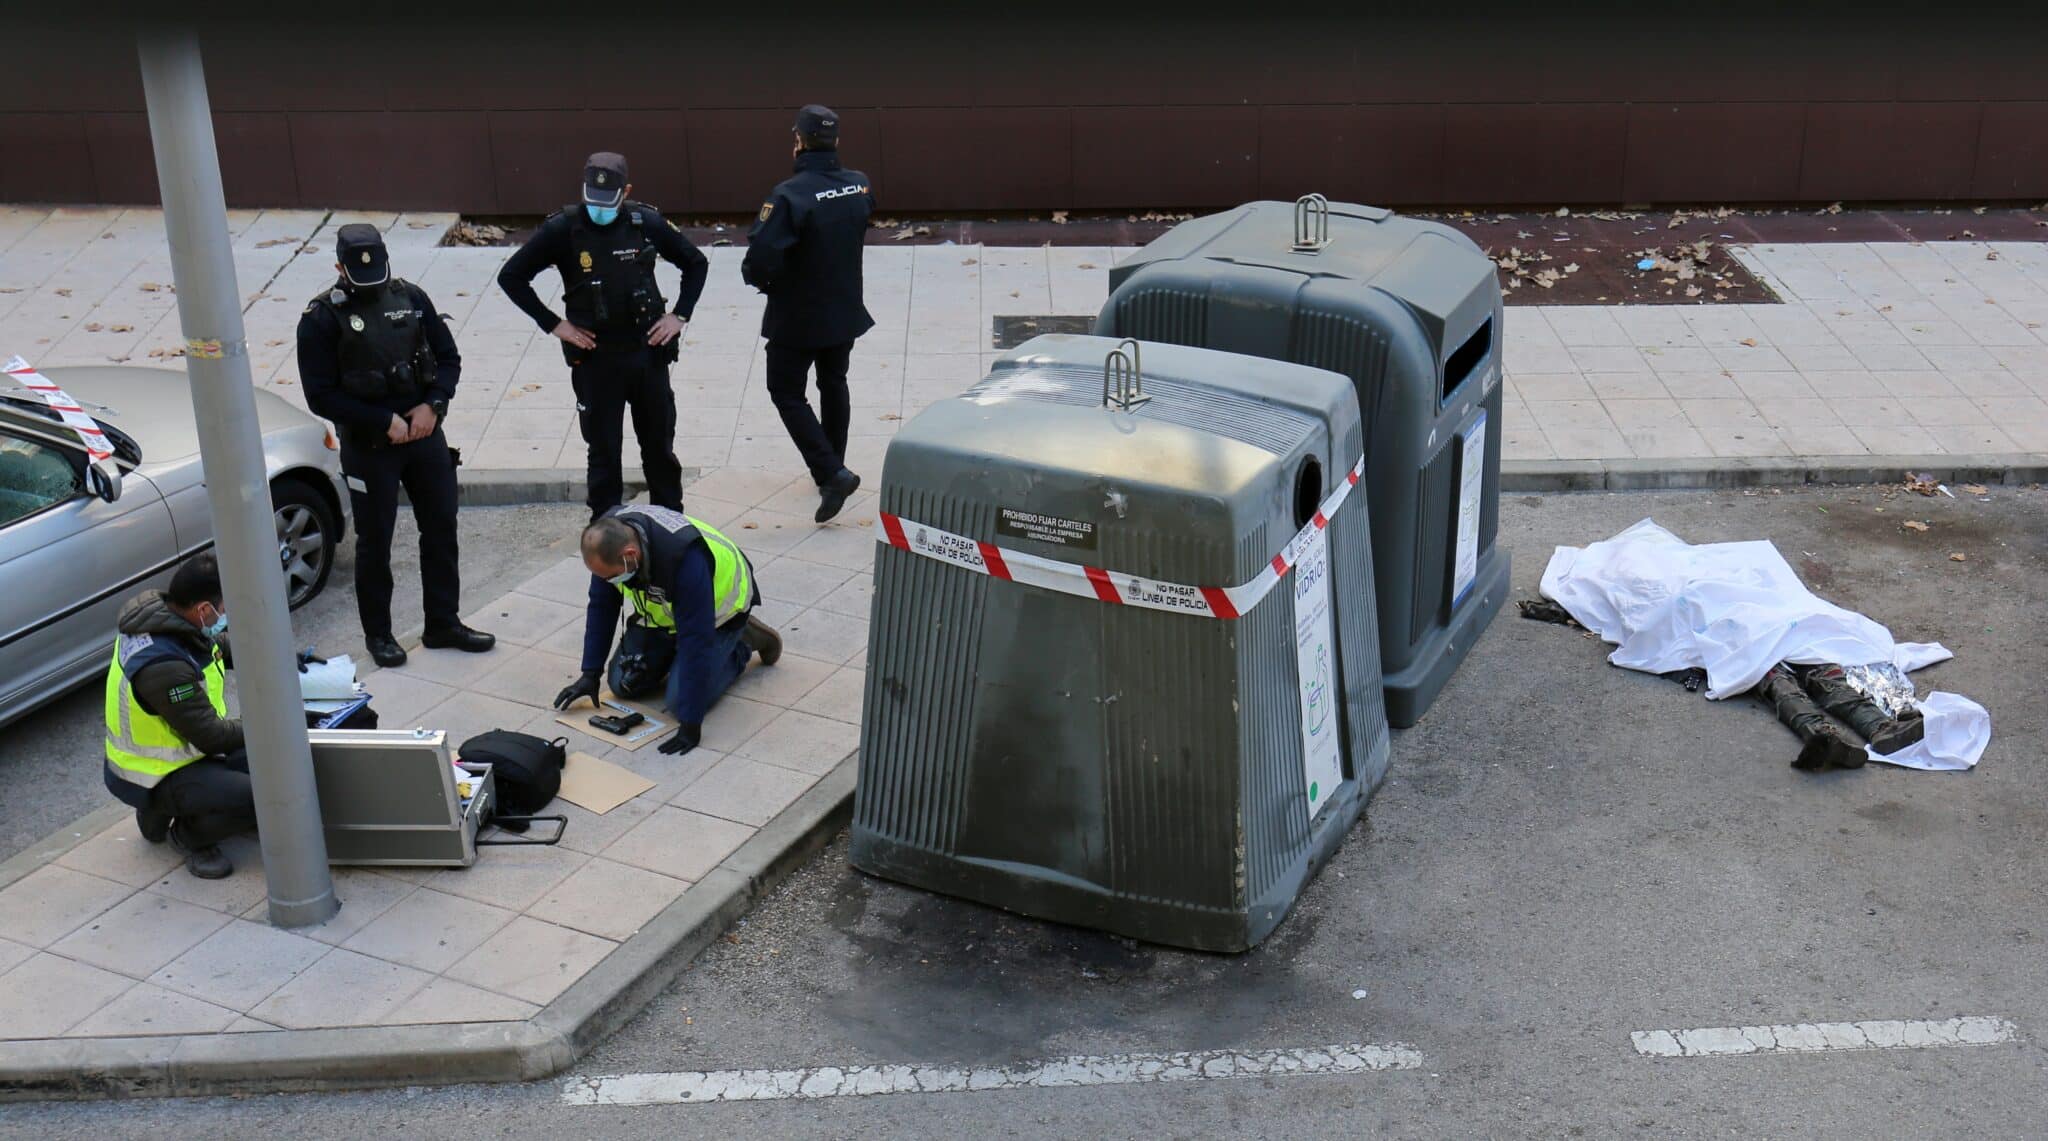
<point x="312" y="1060"/>
<point x="1695" y="475"/>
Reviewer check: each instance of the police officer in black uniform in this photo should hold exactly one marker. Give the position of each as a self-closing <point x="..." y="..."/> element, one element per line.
<point x="377" y="360"/>
<point x="804" y="252"/>
<point x="618" y="338"/>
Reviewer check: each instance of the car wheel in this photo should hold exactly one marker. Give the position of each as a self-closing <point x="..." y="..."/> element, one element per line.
<point x="306" y="535"/>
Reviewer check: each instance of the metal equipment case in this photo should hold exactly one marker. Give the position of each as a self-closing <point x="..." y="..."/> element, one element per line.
<point x="1411" y="312"/>
<point x="387" y="796"/>
<point x="1069" y="757"/>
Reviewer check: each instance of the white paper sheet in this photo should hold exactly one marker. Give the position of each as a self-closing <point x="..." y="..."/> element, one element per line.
<point x="331" y="680"/>
<point x="1735" y="610"/>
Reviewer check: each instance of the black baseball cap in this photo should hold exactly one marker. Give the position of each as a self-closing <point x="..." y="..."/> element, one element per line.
<point x="360" y="250"/>
<point x="604" y="179"/>
<point x="819" y="124"/>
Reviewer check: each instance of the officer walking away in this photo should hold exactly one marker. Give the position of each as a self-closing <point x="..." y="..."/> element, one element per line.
<point x="376" y="359"/>
<point x="691" y="630"/>
<point x="618" y="338"/>
<point x="804" y="252"/>
<point x="172" y="752"/>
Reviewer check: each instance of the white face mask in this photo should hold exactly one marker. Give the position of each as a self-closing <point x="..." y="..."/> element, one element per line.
<point x="623" y="577"/>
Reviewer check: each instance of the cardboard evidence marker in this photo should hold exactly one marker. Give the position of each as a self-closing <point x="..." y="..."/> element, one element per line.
<point x="656" y="726"/>
<point x="599" y="786"/>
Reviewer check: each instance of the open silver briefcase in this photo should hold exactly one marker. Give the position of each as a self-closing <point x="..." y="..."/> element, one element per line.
<point x="396" y="796"/>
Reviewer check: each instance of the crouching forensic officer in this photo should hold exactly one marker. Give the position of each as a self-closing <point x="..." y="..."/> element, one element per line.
<point x="618" y="338"/>
<point x="691" y="630"/>
<point x="376" y="359"/>
<point x="172" y="752"/>
<point x="805" y="252"/>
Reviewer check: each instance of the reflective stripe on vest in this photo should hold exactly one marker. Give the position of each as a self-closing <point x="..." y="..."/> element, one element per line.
<point x="732" y="584"/>
<point x="142" y="748"/>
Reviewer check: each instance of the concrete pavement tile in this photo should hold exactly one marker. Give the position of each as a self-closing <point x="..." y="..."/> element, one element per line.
<point x="1725" y="413"/>
<point x="429" y="930"/>
<point x="854" y="597"/>
<point x="1585" y="325"/>
<point x="847" y="545"/>
<point x="514" y="423"/>
<point x="1887" y="358"/>
<point x="233" y="895"/>
<point x="797" y="581"/>
<point x="1665" y="441"/>
<point x="529" y="677"/>
<point x="608" y="899"/>
<point x="150" y="1009"/>
<point x="590" y="833"/>
<point x="764" y="534"/>
<point x="1549" y="386"/>
<point x="744" y="791"/>
<point x="1608" y="358"/>
<point x="48" y="995"/>
<point x="1522" y="441"/>
<point x="240" y="965"/>
<point x="13" y="954"/>
<point x="445" y="1000"/>
<point x="1655" y="413"/>
<point x="524" y="619"/>
<point x="1762" y="386"/>
<point x="448" y="667"/>
<point x="1810" y="410"/>
<point x="838" y="697"/>
<point x="1626" y="386"/>
<point x="122" y="855"/>
<point x="1753" y="439"/>
<point x="1897" y="439"/>
<point x="747" y="486"/>
<point x="2013" y="413"/>
<point x="400" y="701"/>
<point x="1555" y="416"/>
<point x="566" y="581"/>
<point x="566" y="642"/>
<point x="1952" y="358"/>
<point x="532" y="960"/>
<point x="1972" y="439"/>
<point x="1587" y="443"/>
<point x="1664" y="361"/>
<point x="1535" y="360"/>
<point x="1914" y="385"/>
<point x="2023" y="361"/>
<point x="1933" y="332"/>
<point x="802" y="741"/>
<point x="140" y="934"/>
<point x="1837" y="384"/>
<point x="679" y="843"/>
<point x="467" y="714"/>
<point x="1874" y="411"/>
<point x="510" y="877"/>
<point x="784" y="683"/>
<point x="1866" y="332"/>
<point x="1945" y="412"/>
<point x="691" y="451"/>
<point x="500" y="454"/>
<point x="1714" y="385"/>
<point x="719" y="422"/>
<point x="825" y="635"/>
<point x="1820" y="358"/>
<point x="53" y="901"/>
<point x="1990" y="382"/>
<point x="1812" y="438"/>
<point x="1740" y="358"/>
<point x="341" y="989"/>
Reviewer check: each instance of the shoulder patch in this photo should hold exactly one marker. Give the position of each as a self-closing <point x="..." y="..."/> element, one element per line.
<point x="179" y="693"/>
<point x="767" y="208"/>
<point x="310" y="306"/>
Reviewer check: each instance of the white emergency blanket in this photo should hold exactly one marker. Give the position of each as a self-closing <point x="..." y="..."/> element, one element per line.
<point x="1735" y="610"/>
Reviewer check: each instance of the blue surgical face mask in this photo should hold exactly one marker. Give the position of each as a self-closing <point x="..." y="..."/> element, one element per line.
<point x="602" y="215"/>
<point x="218" y="626"/>
<point x="624" y="576"/>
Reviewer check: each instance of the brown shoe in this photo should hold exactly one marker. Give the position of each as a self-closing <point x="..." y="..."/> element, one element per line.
<point x="763" y="639"/>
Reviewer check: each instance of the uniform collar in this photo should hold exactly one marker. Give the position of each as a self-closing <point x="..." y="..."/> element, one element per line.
<point x="817" y="160"/>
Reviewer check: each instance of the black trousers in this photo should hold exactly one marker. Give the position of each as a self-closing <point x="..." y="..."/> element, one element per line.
<point x="606" y="384"/>
<point x="426" y="471"/>
<point x="209" y="798"/>
<point x="820" y="436"/>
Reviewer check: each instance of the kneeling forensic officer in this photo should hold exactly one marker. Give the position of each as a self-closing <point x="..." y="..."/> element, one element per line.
<point x="692" y="592"/>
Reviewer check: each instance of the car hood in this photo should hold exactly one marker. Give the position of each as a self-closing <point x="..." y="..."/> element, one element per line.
<point x="154" y="405"/>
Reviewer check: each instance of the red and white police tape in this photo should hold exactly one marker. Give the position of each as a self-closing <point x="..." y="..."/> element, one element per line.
<point x="96" y="443"/>
<point x="1118" y="589"/>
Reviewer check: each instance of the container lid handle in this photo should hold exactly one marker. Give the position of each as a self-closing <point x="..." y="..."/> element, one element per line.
<point x="1311" y="223"/>
<point x="1123" y="386"/>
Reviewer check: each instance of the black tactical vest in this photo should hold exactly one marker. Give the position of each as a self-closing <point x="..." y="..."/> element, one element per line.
<point x="383" y="351"/>
<point x="610" y="287"/>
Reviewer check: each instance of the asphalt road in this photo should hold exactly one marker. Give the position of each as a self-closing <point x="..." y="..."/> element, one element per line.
<point x="1564" y="853"/>
<point x="50" y="762"/>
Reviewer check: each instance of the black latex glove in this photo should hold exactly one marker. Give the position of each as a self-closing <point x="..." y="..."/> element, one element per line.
<point x="585" y="685"/>
<point x="683" y="739"/>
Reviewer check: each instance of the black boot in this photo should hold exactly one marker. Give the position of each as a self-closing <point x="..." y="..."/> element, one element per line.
<point x="456" y="636"/>
<point x="385" y="650"/>
<point x="763" y="639"/>
<point x="1831" y="689"/>
<point x="207" y="861"/>
<point x="1825" y="745"/>
<point x="833" y="492"/>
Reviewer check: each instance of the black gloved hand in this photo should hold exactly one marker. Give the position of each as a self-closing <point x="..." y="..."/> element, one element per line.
<point x="585" y="685"/>
<point x="685" y="738"/>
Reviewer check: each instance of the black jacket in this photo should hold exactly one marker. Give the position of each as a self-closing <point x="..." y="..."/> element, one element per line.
<point x="172" y="685"/>
<point x="552" y="245"/>
<point x="320" y="369"/>
<point x="805" y="250"/>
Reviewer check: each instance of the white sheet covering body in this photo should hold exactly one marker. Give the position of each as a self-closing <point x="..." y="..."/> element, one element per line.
<point x="1735" y="610"/>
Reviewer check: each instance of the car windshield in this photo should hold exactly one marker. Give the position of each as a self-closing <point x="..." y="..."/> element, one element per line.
<point x="125" y="446"/>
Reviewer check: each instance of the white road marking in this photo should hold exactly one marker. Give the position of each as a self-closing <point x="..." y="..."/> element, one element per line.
<point x="1813" y="1037"/>
<point x="860" y="1081"/>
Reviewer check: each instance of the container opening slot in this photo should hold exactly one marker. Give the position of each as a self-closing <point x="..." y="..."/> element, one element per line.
<point x="1308" y="491"/>
<point x="1468" y="357"/>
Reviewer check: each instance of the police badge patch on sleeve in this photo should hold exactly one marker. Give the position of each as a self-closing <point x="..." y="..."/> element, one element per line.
<point x="767" y="208"/>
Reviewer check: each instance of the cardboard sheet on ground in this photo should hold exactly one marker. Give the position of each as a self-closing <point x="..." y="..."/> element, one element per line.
<point x="657" y="722"/>
<point x="599" y="786"/>
<point x="1735" y="610"/>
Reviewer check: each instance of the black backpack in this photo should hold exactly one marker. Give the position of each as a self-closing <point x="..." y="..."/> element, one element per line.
<point x="528" y="768"/>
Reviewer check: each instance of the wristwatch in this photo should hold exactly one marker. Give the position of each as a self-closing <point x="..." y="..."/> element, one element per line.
<point x="440" y="408"/>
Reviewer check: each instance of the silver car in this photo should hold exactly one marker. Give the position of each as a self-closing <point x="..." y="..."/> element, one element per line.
<point x="78" y="539"/>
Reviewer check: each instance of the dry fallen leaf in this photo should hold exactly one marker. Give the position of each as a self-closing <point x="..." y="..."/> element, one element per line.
<point x="750" y="526"/>
<point x="1958" y="557"/>
<point x="1914" y="525"/>
<point x="92" y="326"/>
<point x="1059" y="217"/>
<point x="264" y="245"/>
<point x="1976" y="489"/>
<point x="63" y="292"/>
<point x="1692" y="291"/>
<point x="1747" y="342"/>
<point x="149" y="287"/>
<point x="970" y="261"/>
<point x="1086" y="265"/>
